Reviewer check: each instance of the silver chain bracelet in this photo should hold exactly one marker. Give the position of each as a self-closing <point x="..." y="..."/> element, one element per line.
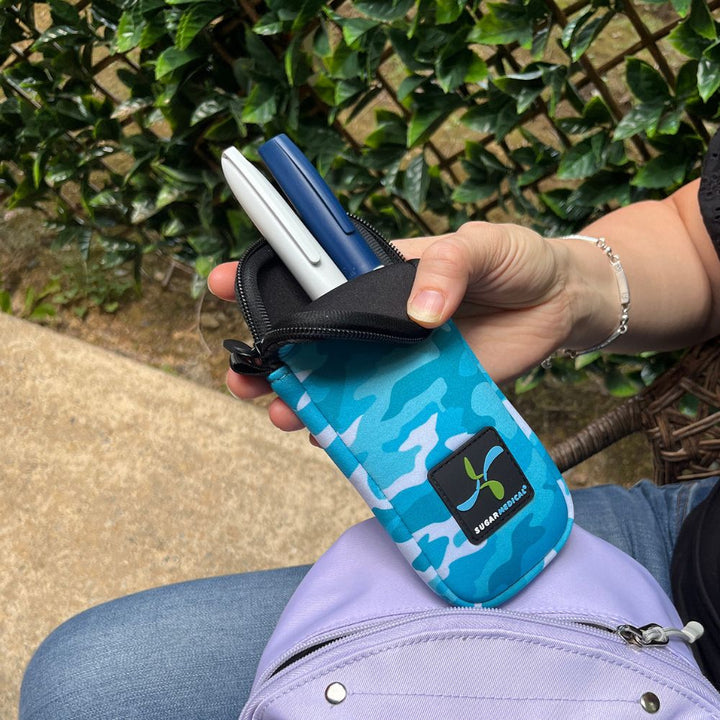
<point x="623" y="292"/>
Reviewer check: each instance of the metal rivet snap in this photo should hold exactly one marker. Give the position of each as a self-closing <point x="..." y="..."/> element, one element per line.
<point x="650" y="702"/>
<point x="335" y="693"/>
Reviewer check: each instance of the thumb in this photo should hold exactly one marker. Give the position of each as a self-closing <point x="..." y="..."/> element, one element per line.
<point x="440" y="282"/>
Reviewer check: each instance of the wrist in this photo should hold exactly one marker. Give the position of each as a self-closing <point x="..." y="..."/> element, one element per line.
<point x="597" y="293"/>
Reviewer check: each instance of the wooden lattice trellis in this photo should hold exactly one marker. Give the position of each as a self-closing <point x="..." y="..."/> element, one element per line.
<point x="639" y="31"/>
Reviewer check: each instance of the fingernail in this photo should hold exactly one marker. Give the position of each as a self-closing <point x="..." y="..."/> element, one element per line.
<point x="426" y="306"/>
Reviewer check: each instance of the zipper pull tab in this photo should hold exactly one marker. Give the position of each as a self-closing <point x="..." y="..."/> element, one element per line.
<point x="654" y="634"/>
<point x="244" y="359"/>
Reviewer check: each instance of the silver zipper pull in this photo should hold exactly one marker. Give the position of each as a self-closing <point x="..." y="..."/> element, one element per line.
<point x="654" y="634"/>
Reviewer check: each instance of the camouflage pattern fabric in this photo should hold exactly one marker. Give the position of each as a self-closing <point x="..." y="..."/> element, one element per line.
<point x="388" y="414"/>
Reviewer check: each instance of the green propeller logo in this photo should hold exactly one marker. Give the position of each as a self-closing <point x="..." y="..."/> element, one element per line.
<point x="495" y="486"/>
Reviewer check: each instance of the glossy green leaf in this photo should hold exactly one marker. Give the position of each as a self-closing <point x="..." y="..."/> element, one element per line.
<point x="354" y="29"/>
<point x="646" y="83"/>
<point x="264" y="63"/>
<point x="664" y="171"/>
<point x="504" y="23"/>
<point x="525" y="88"/>
<point x="685" y="40"/>
<point x="59" y="33"/>
<point x="585" y="158"/>
<point x="602" y="188"/>
<point x="64" y="13"/>
<point x="669" y="123"/>
<point x="194" y="20"/>
<point x="208" y="109"/>
<point x="586" y="359"/>
<point x="173" y="59"/>
<point x="452" y="68"/>
<point x="390" y="129"/>
<point x="430" y="112"/>
<point x="581" y="31"/>
<point x="129" y="30"/>
<point x="682" y="7"/>
<point x="477" y="71"/>
<point x="708" y="73"/>
<point x="261" y="104"/>
<point x="686" y="83"/>
<point x="559" y="202"/>
<point x="270" y="24"/>
<point x="306" y="12"/>
<point x="701" y="20"/>
<point x="497" y="116"/>
<point x="416" y="182"/>
<point x="386" y="10"/>
<point x="528" y="382"/>
<point x="408" y="86"/>
<point x="643" y="118"/>
<point x="584" y="37"/>
<point x="448" y="11"/>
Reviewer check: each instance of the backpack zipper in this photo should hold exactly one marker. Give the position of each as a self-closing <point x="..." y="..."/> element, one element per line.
<point x="654" y="634"/>
<point x="650" y="635"/>
<point x="674" y="669"/>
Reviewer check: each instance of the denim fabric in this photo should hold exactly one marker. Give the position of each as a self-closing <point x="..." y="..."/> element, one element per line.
<point x="185" y="651"/>
<point x="190" y="650"/>
<point x="644" y="521"/>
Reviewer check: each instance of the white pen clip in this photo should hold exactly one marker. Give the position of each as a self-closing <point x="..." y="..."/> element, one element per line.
<point x="280" y="226"/>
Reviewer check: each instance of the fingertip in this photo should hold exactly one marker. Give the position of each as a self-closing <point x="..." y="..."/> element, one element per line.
<point x="440" y="282"/>
<point x="245" y="387"/>
<point x="426" y="307"/>
<point x="221" y="280"/>
<point x="283" y="417"/>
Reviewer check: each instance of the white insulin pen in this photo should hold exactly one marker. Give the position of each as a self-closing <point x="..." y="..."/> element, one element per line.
<point x="280" y="226"/>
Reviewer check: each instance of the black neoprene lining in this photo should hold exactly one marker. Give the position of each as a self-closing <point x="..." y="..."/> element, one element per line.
<point x="370" y="307"/>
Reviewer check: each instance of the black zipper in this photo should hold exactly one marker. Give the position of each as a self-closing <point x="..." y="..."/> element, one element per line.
<point x="261" y="359"/>
<point x="283" y="335"/>
<point x="379" y="244"/>
<point x="251" y="311"/>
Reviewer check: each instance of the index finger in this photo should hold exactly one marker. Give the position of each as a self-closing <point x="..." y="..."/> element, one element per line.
<point x="221" y="280"/>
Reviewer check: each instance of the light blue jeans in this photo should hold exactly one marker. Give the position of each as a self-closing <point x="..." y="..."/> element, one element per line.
<point x="189" y="651"/>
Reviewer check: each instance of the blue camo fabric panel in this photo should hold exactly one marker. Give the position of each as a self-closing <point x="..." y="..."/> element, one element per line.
<point x="388" y="414"/>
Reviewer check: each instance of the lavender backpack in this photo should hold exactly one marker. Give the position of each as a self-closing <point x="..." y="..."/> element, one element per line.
<point x="592" y="637"/>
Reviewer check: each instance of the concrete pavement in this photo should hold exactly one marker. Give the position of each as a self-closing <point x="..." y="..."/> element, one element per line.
<point x="116" y="477"/>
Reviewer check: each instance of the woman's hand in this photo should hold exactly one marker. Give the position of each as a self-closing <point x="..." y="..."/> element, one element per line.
<point x="503" y="285"/>
<point x="510" y="292"/>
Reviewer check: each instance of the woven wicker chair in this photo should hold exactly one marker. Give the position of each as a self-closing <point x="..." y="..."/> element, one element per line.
<point x="684" y="447"/>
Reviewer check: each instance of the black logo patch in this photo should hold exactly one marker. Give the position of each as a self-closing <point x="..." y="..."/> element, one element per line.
<point x="481" y="485"/>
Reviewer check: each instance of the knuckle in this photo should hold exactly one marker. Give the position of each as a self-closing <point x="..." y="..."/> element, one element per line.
<point x="447" y="257"/>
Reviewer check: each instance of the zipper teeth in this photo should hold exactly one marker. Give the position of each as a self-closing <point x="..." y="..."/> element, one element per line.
<point x="276" y="337"/>
<point x="326" y="639"/>
<point x="247" y="311"/>
<point x="673" y="670"/>
<point x="256" y="315"/>
<point x="387" y="246"/>
<point x="580" y="623"/>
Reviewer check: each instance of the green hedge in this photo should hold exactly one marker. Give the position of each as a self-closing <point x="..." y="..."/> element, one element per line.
<point x="422" y="114"/>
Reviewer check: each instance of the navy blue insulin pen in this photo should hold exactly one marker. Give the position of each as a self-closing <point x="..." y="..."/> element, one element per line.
<point x="318" y="208"/>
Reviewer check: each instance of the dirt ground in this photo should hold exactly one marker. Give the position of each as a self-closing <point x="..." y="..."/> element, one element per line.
<point x="167" y="328"/>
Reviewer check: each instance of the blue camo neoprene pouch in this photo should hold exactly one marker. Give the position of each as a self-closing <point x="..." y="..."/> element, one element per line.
<point x="447" y="465"/>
